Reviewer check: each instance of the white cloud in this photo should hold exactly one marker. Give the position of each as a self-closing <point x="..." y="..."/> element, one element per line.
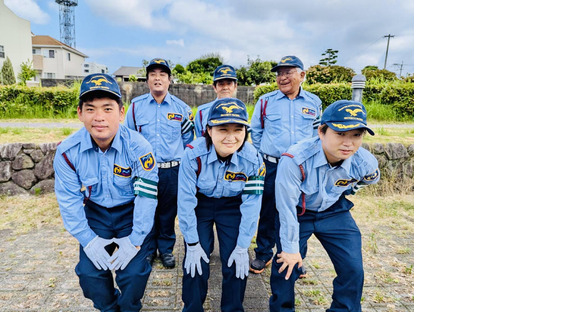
<point x="179" y="42"/>
<point x="29" y="10"/>
<point x="148" y="14"/>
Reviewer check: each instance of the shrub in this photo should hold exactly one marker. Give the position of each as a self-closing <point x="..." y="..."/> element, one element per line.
<point x="371" y="72"/>
<point x="7" y="73"/>
<point x="397" y="94"/>
<point x="22" y="101"/>
<point x="328" y="74"/>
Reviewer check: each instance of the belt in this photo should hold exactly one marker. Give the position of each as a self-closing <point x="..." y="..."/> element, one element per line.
<point x="168" y="164"/>
<point x="271" y="159"/>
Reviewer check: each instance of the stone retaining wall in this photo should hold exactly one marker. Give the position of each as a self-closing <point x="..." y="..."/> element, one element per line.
<point x="27" y="168"/>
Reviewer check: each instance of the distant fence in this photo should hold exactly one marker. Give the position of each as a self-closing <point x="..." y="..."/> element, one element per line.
<point x="27" y="168"/>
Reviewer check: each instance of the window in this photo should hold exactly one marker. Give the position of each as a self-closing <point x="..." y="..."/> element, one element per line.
<point x="49" y="75"/>
<point x="35" y="51"/>
<point x="86" y="70"/>
<point x="68" y="56"/>
<point x="50" y="53"/>
<point x="2" y="51"/>
<point x="86" y="65"/>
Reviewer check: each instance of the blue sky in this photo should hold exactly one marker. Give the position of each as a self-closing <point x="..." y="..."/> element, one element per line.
<point x="123" y="33"/>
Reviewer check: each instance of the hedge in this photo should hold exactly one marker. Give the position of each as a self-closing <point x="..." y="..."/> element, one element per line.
<point x="16" y="99"/>
<point x="397" y="94"/>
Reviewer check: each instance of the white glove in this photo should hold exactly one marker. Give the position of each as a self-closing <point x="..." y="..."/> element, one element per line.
<point x="240" y="256"/>
<point x="96" y="252"/>
<point x="124" y="254"/>
<point x="193" y="257"/>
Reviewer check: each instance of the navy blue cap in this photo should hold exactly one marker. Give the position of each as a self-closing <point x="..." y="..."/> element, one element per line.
<point x="99" y="82"/>
<point x="345" y="115"/>
<point x="228" y="110"/>
<point x="158" y="63"/>
<point x="289" y="61"/>
<point x="224" y="72"/>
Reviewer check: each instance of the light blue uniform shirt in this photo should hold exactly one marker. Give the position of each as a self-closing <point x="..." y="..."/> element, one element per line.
<point x="115" y="176"/>
<point x="323" y="184"/>
<point x="200" y="119"/>
<point x="286" y="121"/>
<point x="243" y="174"/>
<point x="167" y="126"/>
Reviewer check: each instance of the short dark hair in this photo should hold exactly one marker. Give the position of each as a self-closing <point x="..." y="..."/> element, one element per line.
<point x="99" y="94"/>
<point x="209" y="143"/>
<point x="216" y="82"/>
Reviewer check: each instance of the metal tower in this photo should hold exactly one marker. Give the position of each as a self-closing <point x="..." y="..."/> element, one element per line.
<point x="67" y="21"/>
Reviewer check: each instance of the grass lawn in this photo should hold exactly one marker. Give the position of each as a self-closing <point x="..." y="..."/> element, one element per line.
<point x="39" y="135"/>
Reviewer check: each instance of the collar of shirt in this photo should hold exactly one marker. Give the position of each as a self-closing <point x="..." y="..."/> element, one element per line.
<point x="281" y="95"/>
<point x="88" y="143"/>
<point x="212" y="156"/>
<point x="320" y="160"/>
<point x="151" y="99"/>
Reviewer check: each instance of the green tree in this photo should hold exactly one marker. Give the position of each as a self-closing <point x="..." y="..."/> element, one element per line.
<point x="330" y="57"/>
<point x="26" y="72"/>
<point x="256" y="72"/>
<point x="7" y="73"/>
<point x="179" y="69"/>
<point x="205" y="64"/>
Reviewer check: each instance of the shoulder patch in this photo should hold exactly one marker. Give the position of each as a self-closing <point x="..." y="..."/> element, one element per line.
<point x="308" y="111"/>
<point x="147" y="161"/>
<point x="372" y="176"/>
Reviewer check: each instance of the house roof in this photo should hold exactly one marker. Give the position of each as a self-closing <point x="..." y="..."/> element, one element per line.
<point x="41" y="40"/>
<point x="125" y="71"/>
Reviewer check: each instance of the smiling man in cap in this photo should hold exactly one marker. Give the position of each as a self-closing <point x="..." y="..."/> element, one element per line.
<point x="106" y="187"/>
<point x="165" y="121"/>
<point x="314" y="176"/>
<point x="281" y="118"/>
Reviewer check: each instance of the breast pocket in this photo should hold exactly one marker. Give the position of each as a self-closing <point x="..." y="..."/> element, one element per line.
<point x="272" y="123"/>
<point x="146" y="128"/>
<point x="174" y="129"/>
<point x="306" y="125"/>
<point x="206" y="186"/>
<point x="123" y="184"/>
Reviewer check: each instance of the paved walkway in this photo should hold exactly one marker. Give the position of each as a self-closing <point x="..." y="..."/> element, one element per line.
<point x="37" y="274"/>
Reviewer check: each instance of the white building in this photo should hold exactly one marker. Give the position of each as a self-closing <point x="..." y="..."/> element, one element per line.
<point x="94" y="68"/>
<point x="54" y="59"/>
<point x="15" y="40"/>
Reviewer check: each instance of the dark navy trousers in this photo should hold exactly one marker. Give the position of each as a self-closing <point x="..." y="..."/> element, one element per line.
<point x="98" y="285"/>
<point x="340" y="236"/>
<point x="225" y="214"/>
<point x="266" y="237"/>
<point x="166" y="211"/>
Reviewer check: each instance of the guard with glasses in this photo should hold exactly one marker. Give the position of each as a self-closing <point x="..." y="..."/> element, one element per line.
<point x="281" y="118"/>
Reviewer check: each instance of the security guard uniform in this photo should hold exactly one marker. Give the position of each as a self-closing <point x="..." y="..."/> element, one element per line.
<point x="277" y="123"/>
<point x="119" y="188"/>
<point x="167" y="126"/>
<point x="310" y="199"/>
<point x="225" y="193"/>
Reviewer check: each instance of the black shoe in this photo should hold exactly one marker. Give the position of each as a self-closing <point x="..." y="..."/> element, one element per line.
<point x="168" y="260"/>
<point x="303" y="273"/>
<point x="257" y="266"/>
<point x="151" y="258"/>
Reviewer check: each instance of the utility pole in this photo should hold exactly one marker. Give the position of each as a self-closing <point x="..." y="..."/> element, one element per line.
<point x="389" y="36"/>
<point x="400" y="68"/>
